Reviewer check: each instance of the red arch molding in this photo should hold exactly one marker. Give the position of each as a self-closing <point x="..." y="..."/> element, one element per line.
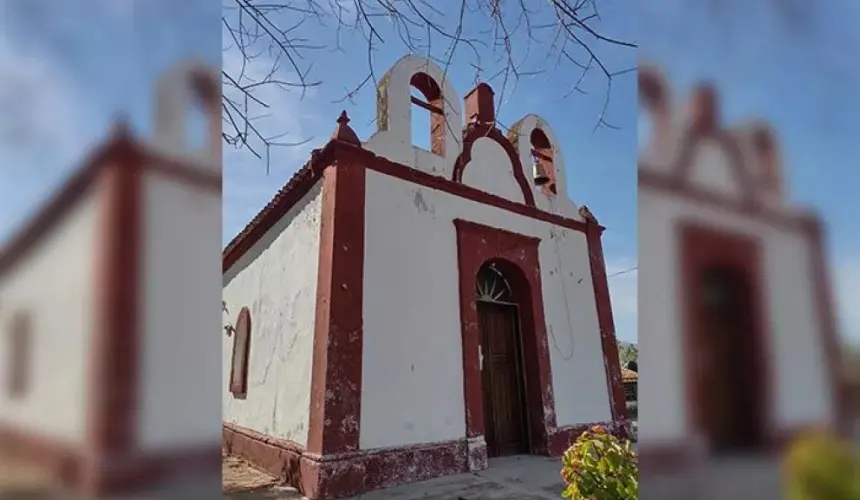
<point x="477" y="131"/>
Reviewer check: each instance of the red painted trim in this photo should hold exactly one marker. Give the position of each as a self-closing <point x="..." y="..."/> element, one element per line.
<point x="702" y="247"/>
<point x="196" y="176"/>
<point x="668" y="184"/>
<point x="437" y="183"/>
<point x="475" y="131"/>
<point x="303" y="180"/>
<point x="517" y="257"/>
<point x="114" y="383"/>
<point x="608" y="340"/>
<point x="291" y="193"/>
<point x="239" y="388"/>
<point x="335" y="409"/>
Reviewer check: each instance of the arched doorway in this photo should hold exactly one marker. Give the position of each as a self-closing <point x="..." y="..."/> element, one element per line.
<point x="501" y="363"/>
<point x="725" y="357"/>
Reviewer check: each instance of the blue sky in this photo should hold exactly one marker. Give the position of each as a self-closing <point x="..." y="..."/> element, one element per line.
<point x="69" y="67"/>
<point x="803" y="79"/>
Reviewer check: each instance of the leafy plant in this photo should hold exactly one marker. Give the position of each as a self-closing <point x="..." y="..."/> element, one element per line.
<point x="821" y="467"/>
<point x="600" y="466"/>
<point x="627" y="352"/>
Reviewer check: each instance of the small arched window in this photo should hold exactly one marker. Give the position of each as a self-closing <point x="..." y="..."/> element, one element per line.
<point x="241" y="354"/>
<point x="20" y="355"/>
<point x="492" y="286"/>
<point x="429" y="111"/>
<point x="542" y="155"/>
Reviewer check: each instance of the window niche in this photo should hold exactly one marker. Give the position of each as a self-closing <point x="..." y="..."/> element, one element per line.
<point x="20" y="351"/>
<point x="241" y="355"/>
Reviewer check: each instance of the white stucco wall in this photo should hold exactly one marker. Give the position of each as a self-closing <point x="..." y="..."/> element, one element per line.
<point x="412" y="372"/>
<point x="277" y="280"/>
<point x="712" y="169"/>
<point x="179" y="403"/>
<point x="487" y="171"/>
<point x="802" y="390"/>
<point x="55" y="284"/>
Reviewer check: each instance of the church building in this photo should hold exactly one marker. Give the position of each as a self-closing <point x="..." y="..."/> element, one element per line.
<point x="395" y="314"/>
<point x="106" y="293"/>
<point x="739" y="343"/>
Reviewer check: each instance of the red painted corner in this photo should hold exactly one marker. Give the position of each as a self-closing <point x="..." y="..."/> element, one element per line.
<point x="611" y="362"/>
<point x="335" y="408"/>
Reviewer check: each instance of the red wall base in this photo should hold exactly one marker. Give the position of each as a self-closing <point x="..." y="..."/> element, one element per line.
<point x="71" y="468"/>
<point x="344" y="475"/>
<point x="677" y="456"/>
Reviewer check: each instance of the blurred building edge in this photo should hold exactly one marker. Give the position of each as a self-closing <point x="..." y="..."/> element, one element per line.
<point x="737" y="330"/>
<point x="118" y="277"/>
<point x="444" y="306"/>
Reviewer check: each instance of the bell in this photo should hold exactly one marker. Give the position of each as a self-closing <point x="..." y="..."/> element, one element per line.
<point x="540" y="176"/>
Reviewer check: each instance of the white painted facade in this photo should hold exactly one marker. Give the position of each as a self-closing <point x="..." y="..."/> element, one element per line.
<point x="412" y="315"/>
<point x="412" y="365"/>
<point x="277" y="281"/>
<point x="55" y="284"/>
<point x="796" y="352"/>
<point x="180" y="301"/>
<point x="799" y="376"/>
<point x="180" y="263"/>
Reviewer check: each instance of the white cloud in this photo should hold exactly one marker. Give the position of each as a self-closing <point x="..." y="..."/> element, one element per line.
<point x="40" y="109"/>
<point x="247" y="184"/>
<point x="43" y="129"/>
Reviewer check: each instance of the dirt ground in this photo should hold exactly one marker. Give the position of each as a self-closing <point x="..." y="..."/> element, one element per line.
<point x="509" y="478"/>
<point x="238" y="476"/>
<point x="16" y="476"/>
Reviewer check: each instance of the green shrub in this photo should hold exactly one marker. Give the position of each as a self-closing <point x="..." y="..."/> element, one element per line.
<point x="821" y="467"/>
<point x="600" y="466"/>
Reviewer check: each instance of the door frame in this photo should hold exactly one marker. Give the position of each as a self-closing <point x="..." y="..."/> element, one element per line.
<point x="522" y="373"/>
<point x="518" y="259"/>
<point x="702" y="246"/>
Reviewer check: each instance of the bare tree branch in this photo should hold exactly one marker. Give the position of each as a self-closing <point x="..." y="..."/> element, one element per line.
<point x="503" y="41"/>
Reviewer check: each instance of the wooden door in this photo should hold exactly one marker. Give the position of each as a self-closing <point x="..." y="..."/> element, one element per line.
<point x="733" y="407"/>
<point x="725" y="339"/>
<point x="502" y="374"/>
